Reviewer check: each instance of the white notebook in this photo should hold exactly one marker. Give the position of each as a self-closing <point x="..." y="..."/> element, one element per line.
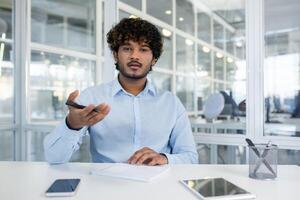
<point x="132" y="172"/>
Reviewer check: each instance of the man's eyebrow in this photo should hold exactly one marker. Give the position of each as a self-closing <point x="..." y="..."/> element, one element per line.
<point x="145" y="45"/>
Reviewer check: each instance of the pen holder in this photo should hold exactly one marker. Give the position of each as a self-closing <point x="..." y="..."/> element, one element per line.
<point x="263" y="161"/>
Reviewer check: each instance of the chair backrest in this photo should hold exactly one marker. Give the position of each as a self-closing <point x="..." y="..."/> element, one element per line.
<point x="213" y="105"/>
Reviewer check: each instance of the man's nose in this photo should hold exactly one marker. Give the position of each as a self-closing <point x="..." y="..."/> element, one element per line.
<point x="135" y="55"/>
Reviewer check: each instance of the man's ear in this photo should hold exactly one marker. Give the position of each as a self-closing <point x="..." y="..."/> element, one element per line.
<point x="153" y="62"/>
<point x="115" y="54"/>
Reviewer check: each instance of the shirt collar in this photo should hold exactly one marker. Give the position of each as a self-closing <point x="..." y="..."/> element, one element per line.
<point x="116" y="88"/>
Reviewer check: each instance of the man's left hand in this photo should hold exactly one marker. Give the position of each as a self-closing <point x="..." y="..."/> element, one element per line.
<point x="147" y="156"/>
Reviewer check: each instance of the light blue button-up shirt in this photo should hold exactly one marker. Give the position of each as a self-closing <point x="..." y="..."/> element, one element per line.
<point x="150" y="119"/>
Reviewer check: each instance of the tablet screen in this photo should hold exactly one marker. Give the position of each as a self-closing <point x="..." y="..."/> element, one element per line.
<point x="213" y="187"/>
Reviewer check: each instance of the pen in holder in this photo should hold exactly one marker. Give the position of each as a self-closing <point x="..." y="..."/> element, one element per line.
<point x="262" y="160"/>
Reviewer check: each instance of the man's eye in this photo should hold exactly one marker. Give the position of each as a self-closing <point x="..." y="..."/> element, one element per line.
<point x="126" y="49"/>
<point x="144" y="49"/>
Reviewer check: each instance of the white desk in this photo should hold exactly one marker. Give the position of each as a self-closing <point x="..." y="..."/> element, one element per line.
<point x="29" y="180"/>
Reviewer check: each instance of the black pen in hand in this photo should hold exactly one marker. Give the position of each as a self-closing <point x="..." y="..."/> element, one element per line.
<point x="78" y="106"/>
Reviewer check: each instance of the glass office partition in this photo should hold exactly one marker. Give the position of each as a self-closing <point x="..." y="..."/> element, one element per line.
<point x="134" y="3"/>
<point x="204" y="61"/>
<point x="185" y="60"/>
<point x="69" y="28"/>
<point x="204" y="26"/>
<point x="162" y="81"/>
<point x="221" y="65"/>
<point x="6" y="145"/>
<point x="161" y="9"/>
<point x="218" y="34"/>
<point x="6" y="63"/>
<point x="185" y="91"/>
<point x="67" y="24"/>
<point x="185" y="18"/>
<point x="221" y="154"/>
<point x="7" y="132"/>
<point x="166" y="59"/>
<point x="282" y="68"/>
<point x="52" y="78"/>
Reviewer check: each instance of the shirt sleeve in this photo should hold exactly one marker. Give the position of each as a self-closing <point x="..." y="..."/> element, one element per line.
<point x="62" y="142"/>
<point x="183" y="148"/>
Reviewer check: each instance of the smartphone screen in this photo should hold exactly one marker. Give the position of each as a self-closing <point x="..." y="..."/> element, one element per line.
<point x="63" y="187"/>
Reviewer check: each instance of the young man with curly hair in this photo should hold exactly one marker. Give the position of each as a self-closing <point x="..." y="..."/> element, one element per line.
<point x="133" y="123"/>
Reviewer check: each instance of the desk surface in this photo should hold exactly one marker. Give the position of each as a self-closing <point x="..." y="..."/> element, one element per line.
<point x="29" y="180"/>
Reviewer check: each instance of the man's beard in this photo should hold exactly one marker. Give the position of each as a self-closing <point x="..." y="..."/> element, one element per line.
<point x="132" y="76"/>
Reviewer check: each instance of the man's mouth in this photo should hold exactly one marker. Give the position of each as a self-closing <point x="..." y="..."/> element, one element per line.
<point x="134" y="65"/>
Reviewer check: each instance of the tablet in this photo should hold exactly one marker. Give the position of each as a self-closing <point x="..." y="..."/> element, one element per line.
<point x="216" y="188"/>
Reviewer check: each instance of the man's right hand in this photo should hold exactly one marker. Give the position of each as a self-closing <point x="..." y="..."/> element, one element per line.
<point x="78" y="118"/>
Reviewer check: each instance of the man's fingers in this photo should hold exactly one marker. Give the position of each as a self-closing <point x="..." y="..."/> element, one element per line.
<point x="145" y="157"/>
<point x="73" y="95"/>
<point x="103" y="108"/>
<point x="133" y="159"/>
<point x="87" y="110"/>
<point x="154" y="161"/>
<point x="95" y="117"/>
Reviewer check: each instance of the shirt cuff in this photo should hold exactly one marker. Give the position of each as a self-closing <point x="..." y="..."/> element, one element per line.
<point x="73" y="133"/>
<point x="69" y="127"/>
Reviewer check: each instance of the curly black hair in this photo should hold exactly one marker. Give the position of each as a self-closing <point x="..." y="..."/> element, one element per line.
<point x="138" y="30"/>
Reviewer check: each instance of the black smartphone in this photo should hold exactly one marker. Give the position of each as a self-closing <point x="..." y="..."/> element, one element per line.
<point x="63" y="187"/>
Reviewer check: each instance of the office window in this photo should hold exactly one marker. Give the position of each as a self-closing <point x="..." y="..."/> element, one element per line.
<point x="204" y="26"/>
<point x="185" y="60"/>
<point x="165" y="61"/>
<point x="221" y="154"/>
<point x="204" y="61"/>
<point x="185" y="16"/>
<point x="288" y="157"/>
<point x="281" y="68"/>
<point x="35" y="149"/>
<point x="161" y="81"/>
<point x="185" y="91"/>
<point x="6" y="145"/>
<point x="162" y="12"/>
<point x="230" y="38"/>
<point x="219" y="66"/>
<point x="64" y="24"/>
<point x="218" y="34"/>
<point x="7" y="134"/>
<point x="203" y="91"/>
<point x="134" y="3"/>
<point x="6" y="64"/>
<point x="123" y="14"/>
<point x="6" y="82"/>
<point x="52" y="78"/>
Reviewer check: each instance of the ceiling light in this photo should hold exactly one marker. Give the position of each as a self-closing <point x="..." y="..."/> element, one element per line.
<point x="181" y="19"/>
<point x="166" y="32"/>
<point x="239" y="44"/>
<point x="205" y="49"/>
<point x="189" y="42"/>
<point x="3" y="36"/>
<point x="219" y="55"/>
<point x="132" y="16"/>
<point x="168" y="12"/>
<point x="229" y="60"/>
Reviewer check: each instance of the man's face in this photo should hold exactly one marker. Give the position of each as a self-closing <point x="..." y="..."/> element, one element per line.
<point x="134" y="59"/>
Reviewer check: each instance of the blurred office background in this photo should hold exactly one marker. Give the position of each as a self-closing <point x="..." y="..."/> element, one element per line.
<point x="248" y="51"/>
